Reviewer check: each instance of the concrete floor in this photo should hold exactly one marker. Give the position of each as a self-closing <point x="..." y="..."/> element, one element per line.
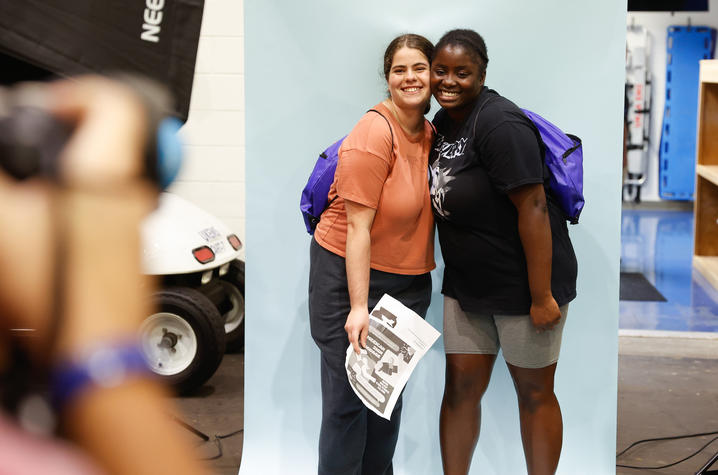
<point x="668" y="385"/>
<point x="217" y="409"/>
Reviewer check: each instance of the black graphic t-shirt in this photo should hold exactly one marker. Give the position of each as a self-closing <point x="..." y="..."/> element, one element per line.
<point x="473" y="166"/>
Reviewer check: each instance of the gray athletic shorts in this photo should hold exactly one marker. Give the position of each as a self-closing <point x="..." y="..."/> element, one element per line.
<point x="471" y="333"/>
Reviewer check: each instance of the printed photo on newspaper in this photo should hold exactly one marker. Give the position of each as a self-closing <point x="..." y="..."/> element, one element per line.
<point x="398" y="338"/>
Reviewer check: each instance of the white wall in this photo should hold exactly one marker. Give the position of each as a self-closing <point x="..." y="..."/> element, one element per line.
<point x="213" y="172"/>
<point x="657" y="24"/>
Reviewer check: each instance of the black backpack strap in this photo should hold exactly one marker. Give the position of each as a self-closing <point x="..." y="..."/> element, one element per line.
<point x="576" y="146"/>
<point x="478" y="113"/>
<point x="387" y="123"/>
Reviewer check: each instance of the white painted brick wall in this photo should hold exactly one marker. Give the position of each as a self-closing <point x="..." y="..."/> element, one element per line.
<point x="213" y="172"/>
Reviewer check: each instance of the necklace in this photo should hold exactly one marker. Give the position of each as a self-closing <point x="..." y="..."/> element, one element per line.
<point x="411" y="133"/>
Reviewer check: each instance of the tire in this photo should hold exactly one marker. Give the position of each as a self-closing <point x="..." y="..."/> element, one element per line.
<point x="233" y="283"/>
<point x="184" y="341"/>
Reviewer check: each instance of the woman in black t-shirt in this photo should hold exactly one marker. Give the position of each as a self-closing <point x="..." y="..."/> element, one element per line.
<point x="510" y="269"/>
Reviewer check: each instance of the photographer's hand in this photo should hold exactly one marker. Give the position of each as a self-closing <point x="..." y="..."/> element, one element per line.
<point x="105" y="151"/>
<point x="108" y="143"/>
<point x="25" y="256"/>
<point x="97" y="211"/>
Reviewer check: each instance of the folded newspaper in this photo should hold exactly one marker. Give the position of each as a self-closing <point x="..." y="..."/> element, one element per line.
<point x="398" y="338"/>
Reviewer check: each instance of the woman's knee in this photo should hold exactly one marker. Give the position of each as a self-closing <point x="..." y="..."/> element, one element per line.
<point x="534" y="389"/>
<point x="467" y="377"/>
<point x="534" y="386"/>
<point x="531" y="397"/>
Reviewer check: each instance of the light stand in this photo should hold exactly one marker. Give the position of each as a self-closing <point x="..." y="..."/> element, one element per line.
<point x="704" y="470"/>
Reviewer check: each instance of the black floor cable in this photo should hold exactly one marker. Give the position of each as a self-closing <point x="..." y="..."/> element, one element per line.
<point x="225" y="436"/>
<point x="688" y="436"/>
<point x="219" y="450"/>
<point x="217" y="439"/>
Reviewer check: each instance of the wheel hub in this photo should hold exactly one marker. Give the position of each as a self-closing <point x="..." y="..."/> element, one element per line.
<point x="168" y="343"/>
<point x="169" y="340"/>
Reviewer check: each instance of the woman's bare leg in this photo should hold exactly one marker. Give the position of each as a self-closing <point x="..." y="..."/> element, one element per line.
<point x="467" y="376"/>
<point x="540" y="414"/>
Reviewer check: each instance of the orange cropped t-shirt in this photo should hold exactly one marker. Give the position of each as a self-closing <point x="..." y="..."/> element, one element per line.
<point x="395" y="183"/>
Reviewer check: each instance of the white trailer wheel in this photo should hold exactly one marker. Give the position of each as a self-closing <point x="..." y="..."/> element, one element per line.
<point x="168" y="343"/>
<point x="188" y="322"/>
<point x="235" y="316"/>
<point x="233" y="283"/>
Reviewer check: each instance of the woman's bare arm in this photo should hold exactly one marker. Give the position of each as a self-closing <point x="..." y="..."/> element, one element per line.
<point x="358" y="250"/>
<point x="535" y="234"/>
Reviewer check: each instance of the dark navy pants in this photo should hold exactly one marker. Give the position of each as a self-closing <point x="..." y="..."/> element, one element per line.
<point x="353" y="440"/>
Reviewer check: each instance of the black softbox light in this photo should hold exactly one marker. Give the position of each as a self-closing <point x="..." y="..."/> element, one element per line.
<point x="667" y="5"/>
<point x="157" y="38"/>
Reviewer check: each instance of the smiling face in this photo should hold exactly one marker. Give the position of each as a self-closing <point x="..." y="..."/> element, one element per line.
<point x="456" y="80"/>
<point x="408" y="79"/>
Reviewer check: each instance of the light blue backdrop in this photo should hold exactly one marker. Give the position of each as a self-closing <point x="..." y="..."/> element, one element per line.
<point x="312" y="69"/>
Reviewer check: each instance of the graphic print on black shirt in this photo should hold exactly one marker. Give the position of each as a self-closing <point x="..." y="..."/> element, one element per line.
<point x="442" y="152"/>
<point x="473" y="167"/>
<point x="440" y="176"/>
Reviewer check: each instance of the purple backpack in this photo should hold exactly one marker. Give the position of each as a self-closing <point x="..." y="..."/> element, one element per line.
<point x="564" y="159"/>
<point x="315" y="195"/>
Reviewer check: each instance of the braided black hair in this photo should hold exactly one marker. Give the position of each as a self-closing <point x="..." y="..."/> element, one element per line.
<point x="468" y="39"/>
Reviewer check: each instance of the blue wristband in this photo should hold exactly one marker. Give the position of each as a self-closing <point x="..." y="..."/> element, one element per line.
<point x="103" y="366"/>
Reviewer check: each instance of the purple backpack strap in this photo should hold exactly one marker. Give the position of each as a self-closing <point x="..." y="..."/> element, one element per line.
<point x="315" y="195"/>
